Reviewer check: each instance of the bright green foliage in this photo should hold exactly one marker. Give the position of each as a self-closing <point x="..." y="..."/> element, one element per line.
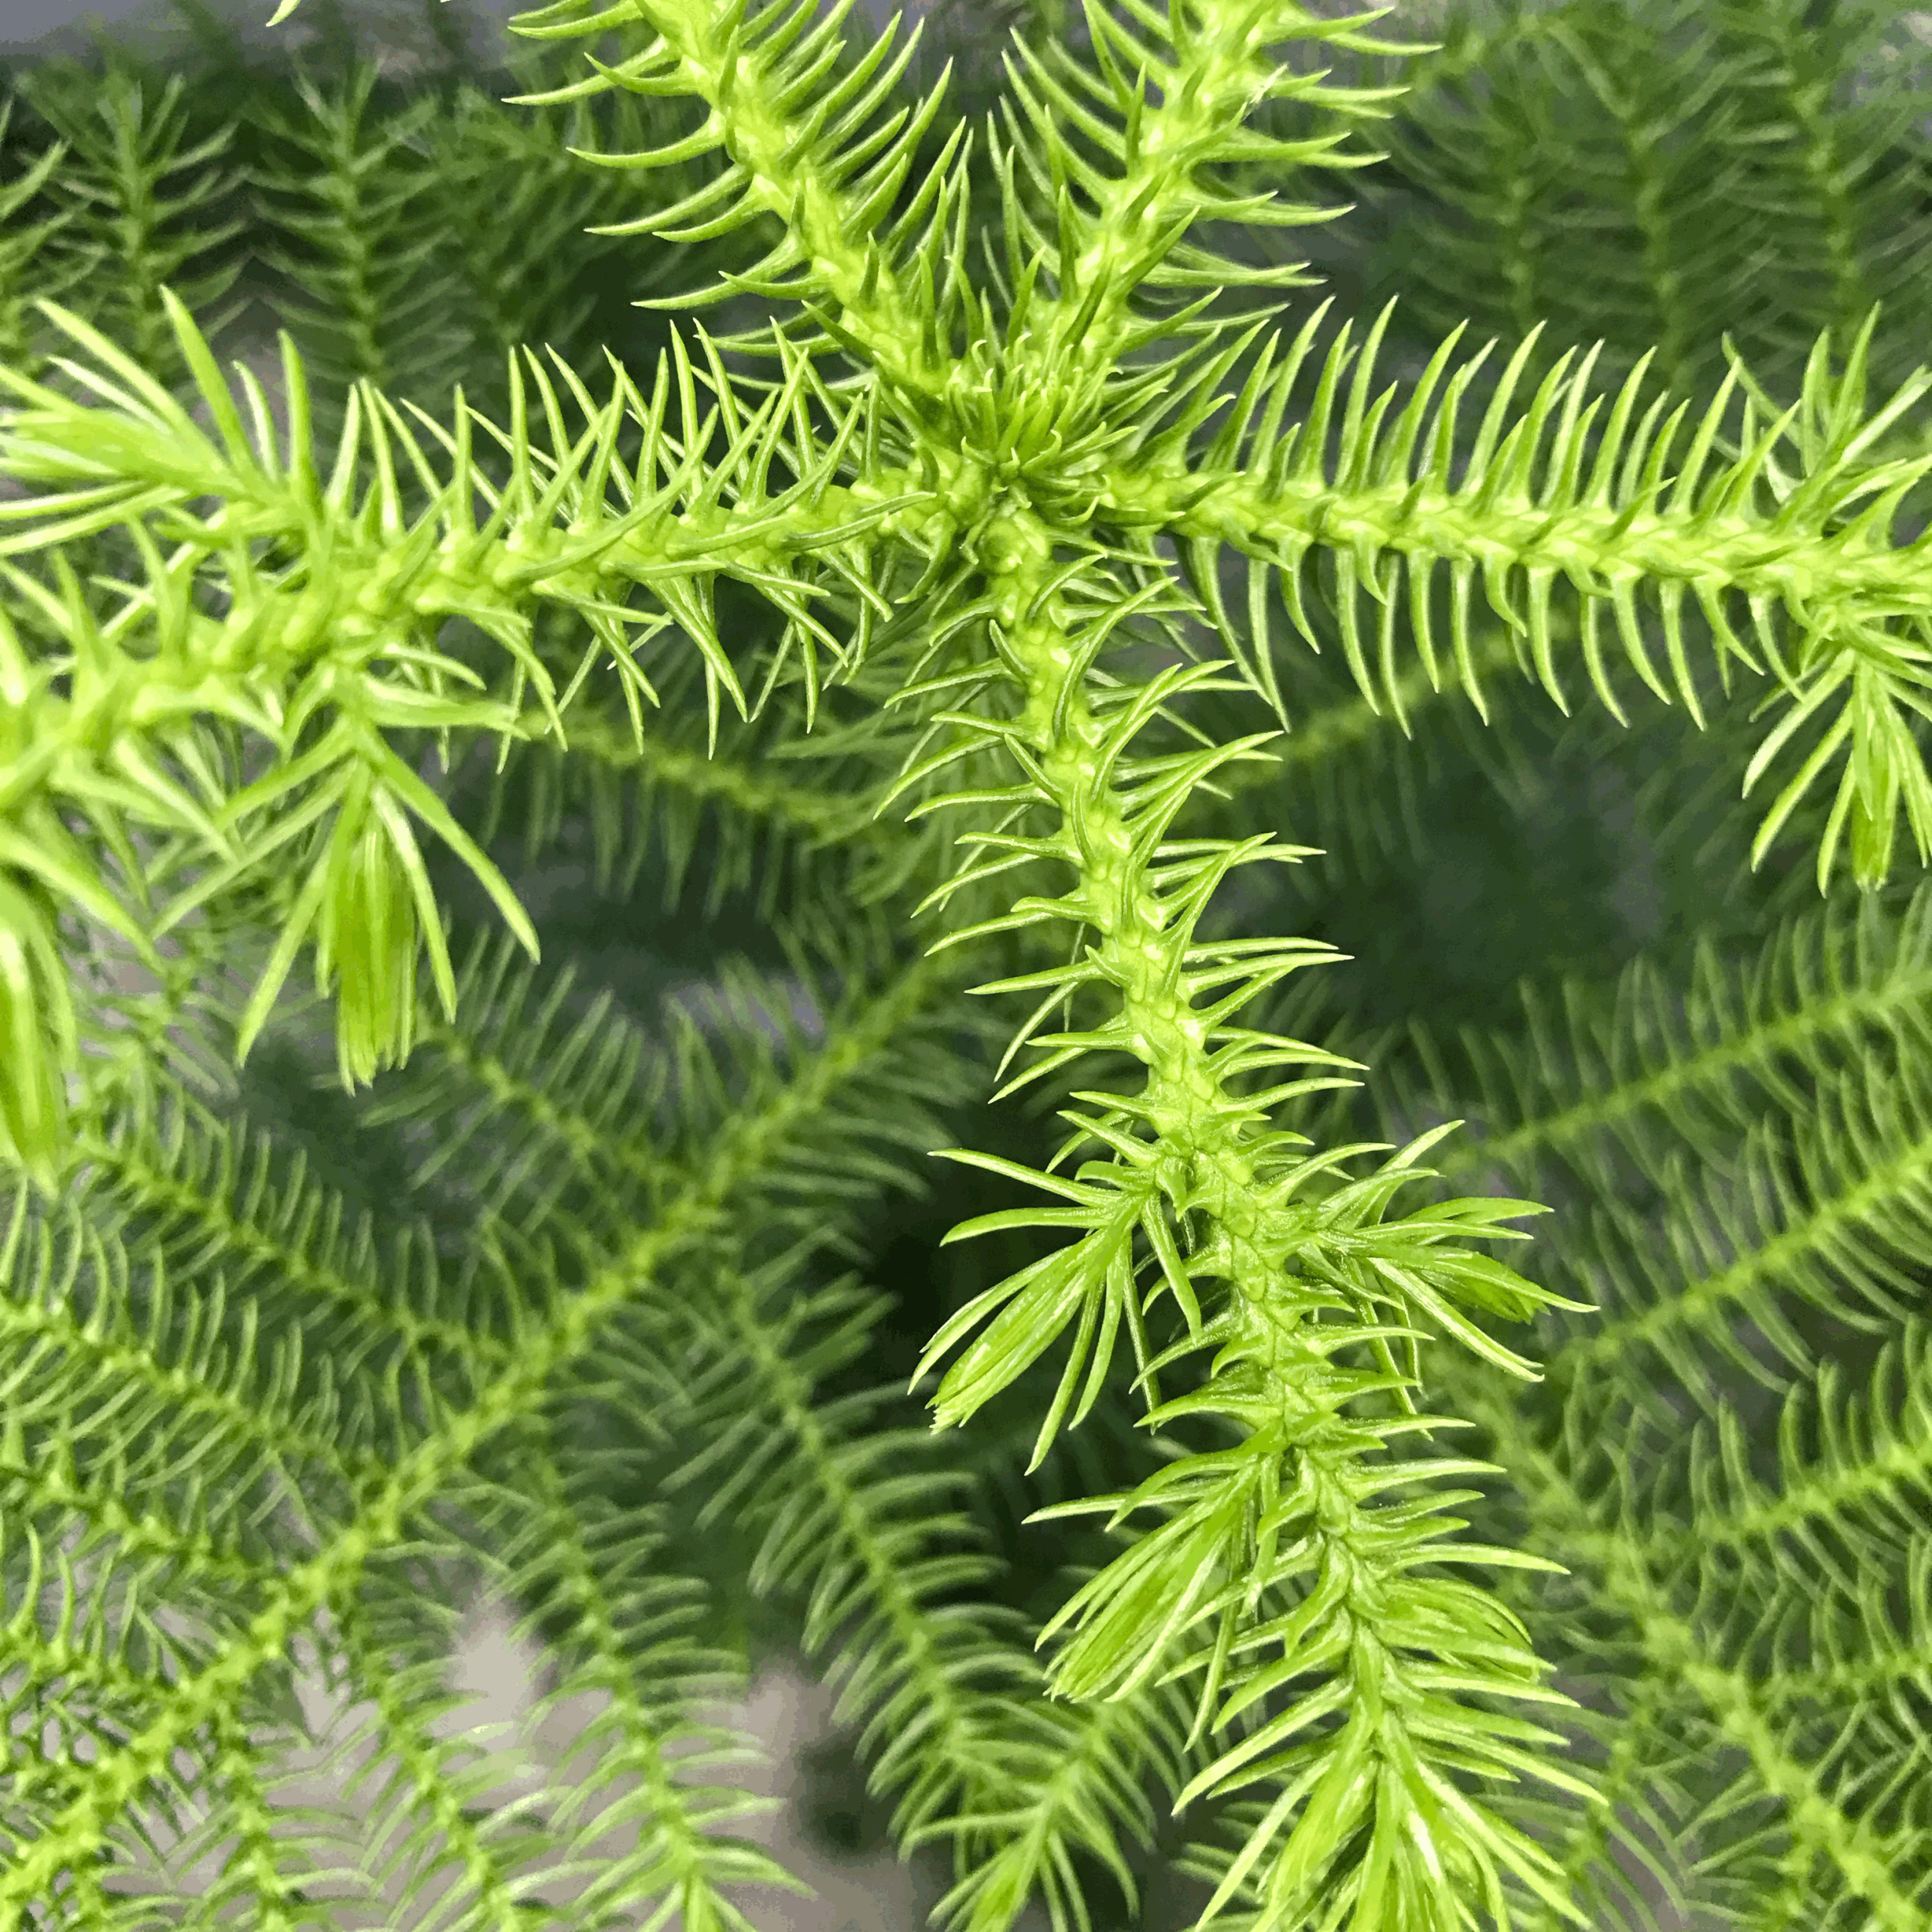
<point x="928" y="619"/>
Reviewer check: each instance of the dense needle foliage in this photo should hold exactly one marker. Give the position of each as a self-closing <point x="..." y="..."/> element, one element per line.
<point x="1076" y="860"/>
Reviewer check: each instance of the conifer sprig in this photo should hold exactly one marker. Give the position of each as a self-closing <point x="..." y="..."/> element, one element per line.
<point x="1188" y="1165"/>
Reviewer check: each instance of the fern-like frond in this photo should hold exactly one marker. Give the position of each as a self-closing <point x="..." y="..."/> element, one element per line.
<point x="858" y="1521"/>
<point x="329" y="621"/>
<point x="770" y="814"/>
<point x="811" y="1089"/>
<point x="1386" y="509"/>
<point x="32" y="268"/>
<point x="1189" y="1167"/>
<point x="372" y="263"/>
<point x="1745" y="1616"/>
<point x="1606" y="1081"/>
<point x="1102" y="232"/>
<point x="394" y="1441"/>
<point x="822" y="154"/>
<point x="1630" y="127"/>
<point x="1797" y="1803"/>
<point x="122" y="179"/>
<point x="634" y="1646"/>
